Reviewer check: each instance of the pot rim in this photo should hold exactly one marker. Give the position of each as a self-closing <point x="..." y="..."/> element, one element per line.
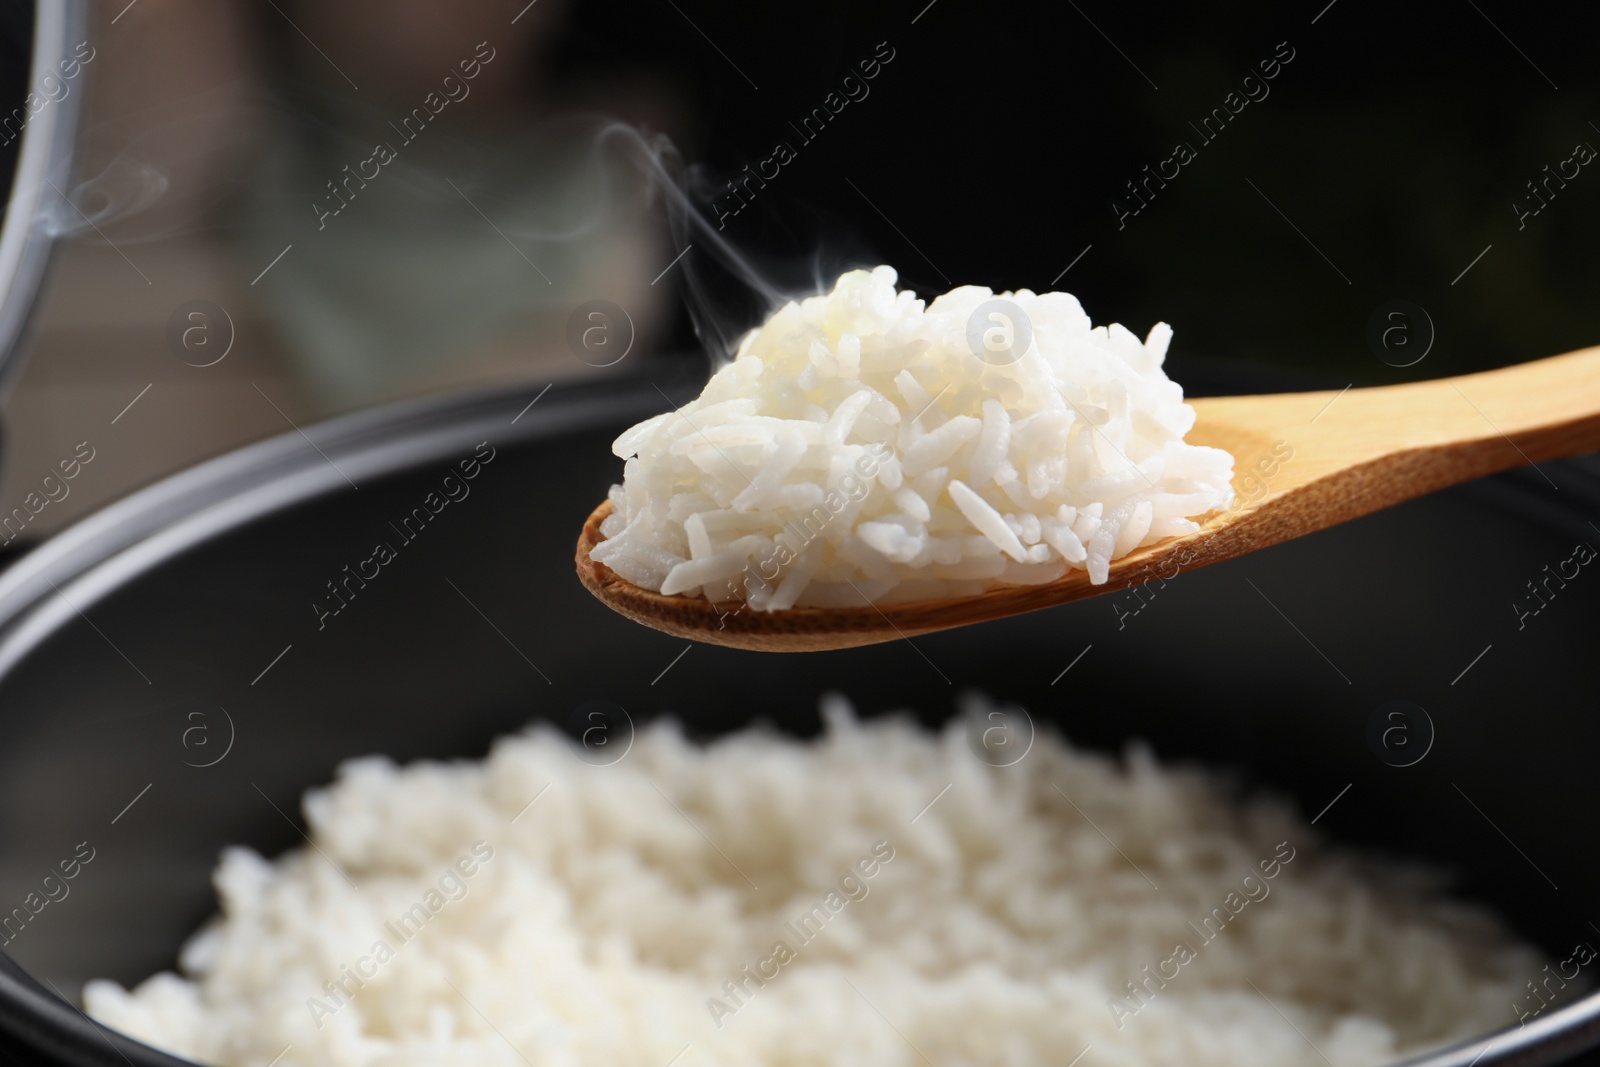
<point x="105" y="550"/>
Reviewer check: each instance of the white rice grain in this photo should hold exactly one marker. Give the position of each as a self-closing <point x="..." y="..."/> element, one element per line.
<point x="868" y="404"/>
<point x="1016" y="921"/>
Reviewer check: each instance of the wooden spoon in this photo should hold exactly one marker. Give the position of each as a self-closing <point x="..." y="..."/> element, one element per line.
<point x="1302" y="462"/>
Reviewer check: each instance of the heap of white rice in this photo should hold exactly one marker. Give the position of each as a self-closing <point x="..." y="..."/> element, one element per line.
<point x="974" y="472"/>
<point x="617" y="910"/>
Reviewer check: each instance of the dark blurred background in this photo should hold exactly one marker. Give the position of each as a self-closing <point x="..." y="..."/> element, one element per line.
<point x="1388" y="158"/>
<point x="1396" y="140"/>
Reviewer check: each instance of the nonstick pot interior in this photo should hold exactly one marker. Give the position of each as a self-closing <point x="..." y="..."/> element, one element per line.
<point x="195" y="609"/>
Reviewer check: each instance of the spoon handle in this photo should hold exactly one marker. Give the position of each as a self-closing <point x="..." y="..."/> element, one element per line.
<point x="1544" y="409"/>
<point x="1307" y="461"/>
<point x="1421" y="436"/>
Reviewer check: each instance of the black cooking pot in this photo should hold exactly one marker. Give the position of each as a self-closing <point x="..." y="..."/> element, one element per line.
<point x="174" y="672"/>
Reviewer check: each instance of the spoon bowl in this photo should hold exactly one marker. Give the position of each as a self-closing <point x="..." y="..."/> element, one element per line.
<point x="1302" y="462"/>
